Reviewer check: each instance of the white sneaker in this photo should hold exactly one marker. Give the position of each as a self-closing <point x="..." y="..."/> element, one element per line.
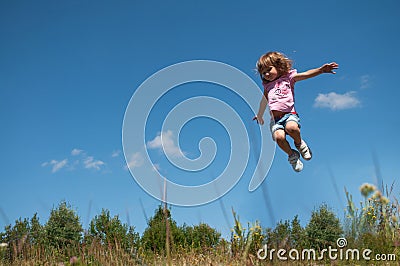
<point x="294" y="160"/>
<point x="304" y="150"/>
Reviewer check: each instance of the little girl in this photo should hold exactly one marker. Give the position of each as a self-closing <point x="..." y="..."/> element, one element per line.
<point x="278" y="79"/>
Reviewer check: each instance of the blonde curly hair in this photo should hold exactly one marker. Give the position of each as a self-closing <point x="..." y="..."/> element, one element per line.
<point x="280" y="61"/>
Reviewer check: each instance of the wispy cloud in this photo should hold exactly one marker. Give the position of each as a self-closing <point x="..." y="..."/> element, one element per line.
<point x="79" y="158"/>
<point x="365" y="81"/>
<point x="336" y="101"/>
<point x="90" y="163"/>
<point x="165" y="141"/>
<point x="116" y="153"/>
<point x="56" y="165"/>
<point x="76" y="152"/>
<point x="135" y="160"/>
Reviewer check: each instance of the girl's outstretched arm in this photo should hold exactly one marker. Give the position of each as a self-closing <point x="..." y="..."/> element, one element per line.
<point x="263" y="105"/>
<point x="326" y="68"/>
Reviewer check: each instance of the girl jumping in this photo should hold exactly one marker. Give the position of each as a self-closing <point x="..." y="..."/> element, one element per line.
<point x="278" y="79"/>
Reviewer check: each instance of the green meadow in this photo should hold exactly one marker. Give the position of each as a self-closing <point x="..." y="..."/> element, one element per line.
<point x="366" y="234"/>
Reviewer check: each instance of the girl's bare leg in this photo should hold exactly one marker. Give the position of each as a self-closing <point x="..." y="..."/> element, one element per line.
<point x="292" y="128"/>
<point x="280" y="138"/>
<point x="293" y="155"/>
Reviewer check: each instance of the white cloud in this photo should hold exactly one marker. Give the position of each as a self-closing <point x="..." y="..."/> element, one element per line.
<point x="76" y="152"/>
<point x="336" y="101"/>
<point x="57" y="165"/>
<point x="135" y="160"/>
<point x="116" y="153"/>
<point x="90" y="162"/>
<point x="74" y="163"/>
<point x="165" y="141"/>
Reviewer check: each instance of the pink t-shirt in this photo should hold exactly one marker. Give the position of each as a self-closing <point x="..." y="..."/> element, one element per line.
<point x="280" y="93"/>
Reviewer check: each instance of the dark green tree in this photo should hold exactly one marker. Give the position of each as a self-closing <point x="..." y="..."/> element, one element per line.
<point x="279" y="237"/>
<point x="21" y="237"/>
<point x="112" y="232"/>
<point x="36" y="231"/>
<point x="17" y="238"/>
<point x="297" y="234"/>
<point x="323" y="229"/>
<point x="154" y="237"/>
<point x="200" y="237"/>
<point x="63" y="229"/>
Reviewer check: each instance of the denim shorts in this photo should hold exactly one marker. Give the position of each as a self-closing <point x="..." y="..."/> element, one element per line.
<point x="280" y="123"/>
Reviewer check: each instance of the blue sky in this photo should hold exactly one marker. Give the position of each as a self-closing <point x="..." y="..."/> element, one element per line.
<point x="69" y="68"/>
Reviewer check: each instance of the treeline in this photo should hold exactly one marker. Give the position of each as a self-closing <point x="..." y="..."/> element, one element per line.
<point x="108" y="241"/>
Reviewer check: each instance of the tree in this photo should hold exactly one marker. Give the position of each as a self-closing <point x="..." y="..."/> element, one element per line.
<point x="297" y="234"/>
<point x="21" y="237"/>
<point x="36" y="231"/>
<point x="154" y="237"/>
<point x="17" y="238"/>
<point x="279" y="237"/>
<point x="323" y="229"/>
<point x="200" y="236"/>
<point x="63" y="228"/>
<point x="111" y="232"/>
<point x="287" y="234"/>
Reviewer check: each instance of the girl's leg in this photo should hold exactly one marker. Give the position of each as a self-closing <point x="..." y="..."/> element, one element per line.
<point x="292" y="128"/>
<point x="293" y="155"/>
<point x="280" y="138"/>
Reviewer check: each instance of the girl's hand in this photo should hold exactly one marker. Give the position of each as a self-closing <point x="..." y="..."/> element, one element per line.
<point x="259" y="120"/>
<point x="328" y="68"/>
